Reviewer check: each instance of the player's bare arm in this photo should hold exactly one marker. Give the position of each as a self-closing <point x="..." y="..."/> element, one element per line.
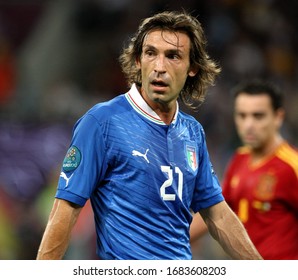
<point x="198" y="228"/>
<point x="56" y="237"/>
<point x="226" y="228"/>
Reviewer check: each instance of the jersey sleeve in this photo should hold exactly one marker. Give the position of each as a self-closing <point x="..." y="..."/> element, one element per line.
<point x="84" y="163"/>
<point x="207" y="190"/>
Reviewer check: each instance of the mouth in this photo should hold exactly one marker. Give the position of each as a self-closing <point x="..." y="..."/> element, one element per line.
<point x="249" y="138"/>
<point x="159" y="84"/>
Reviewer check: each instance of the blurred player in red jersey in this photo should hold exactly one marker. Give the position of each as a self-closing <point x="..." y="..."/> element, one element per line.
<point x="261" y="180"/>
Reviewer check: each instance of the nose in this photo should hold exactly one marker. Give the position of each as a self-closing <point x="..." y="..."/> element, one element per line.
<point x="160" y="64"/>
<point x="248" y="123"/>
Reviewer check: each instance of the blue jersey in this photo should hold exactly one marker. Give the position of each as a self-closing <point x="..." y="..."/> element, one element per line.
<point x="143" y="178"/>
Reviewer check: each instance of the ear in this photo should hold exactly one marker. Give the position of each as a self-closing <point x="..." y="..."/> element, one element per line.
<point x="192" y="72"/>
<point x="280" y="115"/>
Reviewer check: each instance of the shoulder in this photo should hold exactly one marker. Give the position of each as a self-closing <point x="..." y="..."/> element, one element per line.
<point x="191" y="122"/>
<point x="243" y="150"/>
<point x="288" y="154"/>
<point x="239" y="155"/>
<point x="240" y="152"/>
<point x="286" y="151"/>
<point x="106" y="110"/>
<point x="102" y="113"/>
<point x="188" y="117"/>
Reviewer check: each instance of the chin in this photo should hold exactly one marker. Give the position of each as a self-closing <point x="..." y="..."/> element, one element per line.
<point x="254" y="146"/>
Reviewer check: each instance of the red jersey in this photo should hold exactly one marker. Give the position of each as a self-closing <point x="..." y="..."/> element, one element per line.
<point x="265" y="198"/>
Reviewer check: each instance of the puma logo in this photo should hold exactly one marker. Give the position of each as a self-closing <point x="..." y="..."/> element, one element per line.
<point x="138" y="154"/>
<point x="63" y="175"/>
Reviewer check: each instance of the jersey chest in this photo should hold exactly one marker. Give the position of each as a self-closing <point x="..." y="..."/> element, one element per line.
<point x="256" y="190"/>
<point x="162" y="161"/>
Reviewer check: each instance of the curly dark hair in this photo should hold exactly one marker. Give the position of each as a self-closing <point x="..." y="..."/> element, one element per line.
<point x="194" y="90"/>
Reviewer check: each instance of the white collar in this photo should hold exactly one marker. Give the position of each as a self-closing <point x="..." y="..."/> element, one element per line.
<point x="140" y="105"/>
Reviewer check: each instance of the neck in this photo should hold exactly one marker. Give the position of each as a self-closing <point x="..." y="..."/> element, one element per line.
<point x="166" y="117"/>
<point x="258" y="154"/>
<point x="165" y="111"/>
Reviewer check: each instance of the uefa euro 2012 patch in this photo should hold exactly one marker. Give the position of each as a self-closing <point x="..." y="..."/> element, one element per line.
<point x="72" y="159"/>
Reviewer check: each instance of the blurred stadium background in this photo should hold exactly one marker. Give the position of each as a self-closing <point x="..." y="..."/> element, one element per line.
<point x="60" y="57"/>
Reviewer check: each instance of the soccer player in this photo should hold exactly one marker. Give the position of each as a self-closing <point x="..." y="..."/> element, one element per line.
<point x="261" y="181"/>
<point x="142" y="162"/>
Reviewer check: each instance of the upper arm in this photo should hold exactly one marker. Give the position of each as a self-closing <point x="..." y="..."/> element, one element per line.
<point x="63" y="217"/>
<point x="197" y="228"/>
<point x="207" y="190"/>
<point x="85" y="162"/>
<point x="65" y="210"/>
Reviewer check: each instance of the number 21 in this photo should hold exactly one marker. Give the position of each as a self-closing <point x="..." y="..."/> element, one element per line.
<point x="169" y="182"/>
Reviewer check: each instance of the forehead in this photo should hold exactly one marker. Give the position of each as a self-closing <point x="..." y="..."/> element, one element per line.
<point x="253" y="103"/>
<point x="167" y="39"/>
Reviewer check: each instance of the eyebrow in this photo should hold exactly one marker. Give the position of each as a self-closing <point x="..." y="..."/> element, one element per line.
<point x="174" y="50"/>
<point x="255" y="113"/>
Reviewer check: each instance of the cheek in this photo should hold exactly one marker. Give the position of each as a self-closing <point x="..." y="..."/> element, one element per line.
<point x="265" y="130"/>
<point x="240" y="129"/>
<point x="180" y="78"/>
<point x="238" y="124"/>
<point x="265" y="125"/>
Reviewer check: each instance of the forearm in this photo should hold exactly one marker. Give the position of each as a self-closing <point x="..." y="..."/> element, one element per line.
<point x="54" y="242"/>
<point x="58" y="231"/>
<point x="232" y="236"/>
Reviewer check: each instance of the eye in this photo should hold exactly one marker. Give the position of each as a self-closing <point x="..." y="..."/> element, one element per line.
<point x="240" y="115"/>
<point x="149" y="52"/>
<point x="174" y="56"/>
<point x="259" y="116"/>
